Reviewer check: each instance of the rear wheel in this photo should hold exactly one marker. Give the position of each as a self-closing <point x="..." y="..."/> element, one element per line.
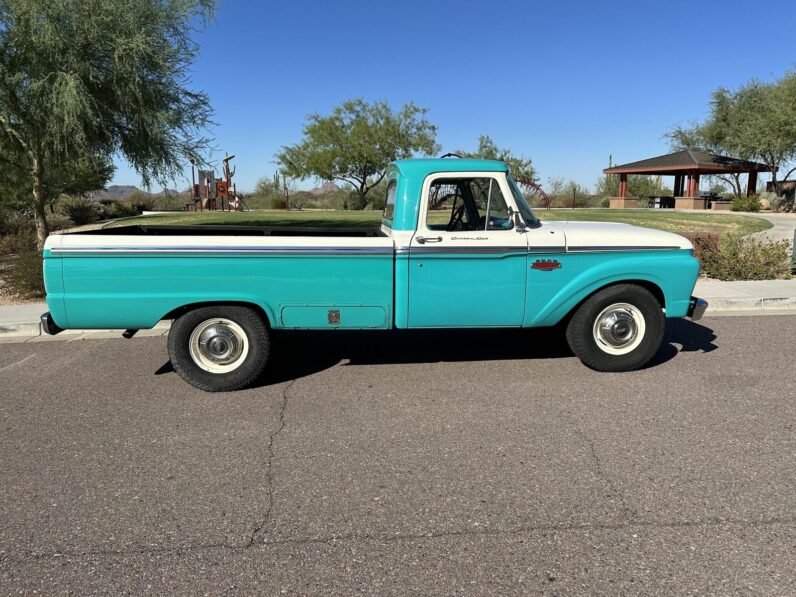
<point x="219" y="348"/>
<point x="619" y="328"/>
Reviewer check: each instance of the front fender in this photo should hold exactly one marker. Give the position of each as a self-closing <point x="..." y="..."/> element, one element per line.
<point x="551" y="295"/>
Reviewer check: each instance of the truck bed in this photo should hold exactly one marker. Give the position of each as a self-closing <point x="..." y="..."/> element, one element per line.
<point x="132" y="276"/>
<point x="233" y="230"/>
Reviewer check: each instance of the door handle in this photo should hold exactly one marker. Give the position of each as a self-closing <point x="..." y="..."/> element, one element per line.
<point x="432" y="239"/>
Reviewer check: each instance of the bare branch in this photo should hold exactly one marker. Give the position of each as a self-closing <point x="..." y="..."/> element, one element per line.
<point x="791" y="171"/>
<point x="14" y="134"/>
<point x="378" y="180"/>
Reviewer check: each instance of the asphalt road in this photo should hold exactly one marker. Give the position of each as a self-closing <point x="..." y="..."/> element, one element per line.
<point x="459" y="463"/>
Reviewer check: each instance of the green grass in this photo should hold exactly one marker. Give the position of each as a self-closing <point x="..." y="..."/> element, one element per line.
<point x="671" y="221"/>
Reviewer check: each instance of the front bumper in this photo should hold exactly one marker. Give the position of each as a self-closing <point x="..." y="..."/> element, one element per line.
<point x="697" y="308"/>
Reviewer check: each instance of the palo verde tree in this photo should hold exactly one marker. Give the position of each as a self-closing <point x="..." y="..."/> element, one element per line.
<point x="356" y="142"/>
<point x="694" y="137"/>
<point x="81" y="175"/>
<point x="86" y="80"/>
<point x="757" y="121"/>
<point x="519" y="166"/>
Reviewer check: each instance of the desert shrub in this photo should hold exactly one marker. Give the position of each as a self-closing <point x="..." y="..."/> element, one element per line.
<point x="121" y="209"/>
<point x="782" y="204"/>
<point x="354" y="200"/>
<point x="746" y="203"/>
<point x="57" y="221"/>
<point x="334" y="200"/>
<point x="275" y="202"/>
<point x="738" y="258"/>
<point x="17" y="222"/>
<point x="376" y="201"/>
<point x="18" y="242"/>
<point x="299" y="199"/>
<point x="170" y="202"/>
<point x="25" y="277"/>
<point x="702" y="242"/>
<point x="80" y="211"/>
<point x="140" y="202"/>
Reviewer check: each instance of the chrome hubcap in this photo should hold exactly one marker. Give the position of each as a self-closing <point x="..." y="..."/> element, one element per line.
<point x="619" y="328"/>
<point x="218" y="345"/>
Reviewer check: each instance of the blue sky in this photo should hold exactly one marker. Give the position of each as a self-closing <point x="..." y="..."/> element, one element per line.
<point x="564" y="83"/>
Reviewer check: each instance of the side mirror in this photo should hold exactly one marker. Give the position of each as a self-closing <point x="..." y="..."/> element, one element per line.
<point x="516" y="219"/>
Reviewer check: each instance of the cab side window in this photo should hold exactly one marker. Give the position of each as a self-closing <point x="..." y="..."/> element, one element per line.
<point x="467" y="204"/>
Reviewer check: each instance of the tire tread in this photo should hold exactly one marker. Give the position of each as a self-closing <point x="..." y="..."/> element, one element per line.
<point x="259" y="343"/>
<point x="579" y="329"/>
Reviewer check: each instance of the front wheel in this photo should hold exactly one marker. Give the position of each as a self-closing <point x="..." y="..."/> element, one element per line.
<point x="219" y="348"/>
<point x="619" y="328"/>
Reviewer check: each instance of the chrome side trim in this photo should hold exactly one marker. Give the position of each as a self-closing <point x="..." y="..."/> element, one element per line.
<point x="531" y="250"/>
<point x="467" y="250"/>
<point x="303" y="250"/>
<point x="216" y="250"/>
<point x="602" y="249"/>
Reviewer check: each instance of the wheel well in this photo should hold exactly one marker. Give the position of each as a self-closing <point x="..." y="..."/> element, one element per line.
<point x="654" y="289"/>
<point x="179" y="311"/>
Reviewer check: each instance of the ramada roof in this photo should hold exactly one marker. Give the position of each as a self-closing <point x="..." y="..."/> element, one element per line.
<point x="688" y="160"/>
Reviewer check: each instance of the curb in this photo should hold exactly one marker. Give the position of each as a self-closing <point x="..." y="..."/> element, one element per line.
<point x="719" y="305"/>
<point x="25" y="331"/>
<point x="20" y="329"/>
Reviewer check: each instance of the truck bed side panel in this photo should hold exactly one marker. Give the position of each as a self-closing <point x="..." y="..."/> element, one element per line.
<point x="111" y="287"/>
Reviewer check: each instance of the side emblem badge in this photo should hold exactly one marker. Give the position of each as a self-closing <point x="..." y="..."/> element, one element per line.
<point x="546" y="265"/>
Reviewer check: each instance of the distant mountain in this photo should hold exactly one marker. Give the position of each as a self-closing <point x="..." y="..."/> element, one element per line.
<point x="327" y="187"/>
<point x="118" y="192"/>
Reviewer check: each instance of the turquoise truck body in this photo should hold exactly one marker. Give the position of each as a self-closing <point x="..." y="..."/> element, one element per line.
<point x="515" y="277"/>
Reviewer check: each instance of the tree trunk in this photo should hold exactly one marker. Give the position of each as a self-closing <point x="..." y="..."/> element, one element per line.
<point x="39" y="202"/>
<point x="737" y="186"/>
<point x="773" y="163"/>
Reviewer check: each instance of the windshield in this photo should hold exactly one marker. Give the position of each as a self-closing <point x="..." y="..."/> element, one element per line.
<point x="522" y="204"/>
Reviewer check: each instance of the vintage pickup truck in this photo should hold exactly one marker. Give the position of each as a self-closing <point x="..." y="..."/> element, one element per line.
<point x="458" y="247"/>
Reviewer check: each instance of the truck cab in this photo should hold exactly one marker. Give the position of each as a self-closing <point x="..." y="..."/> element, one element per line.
<point x="464" y="230"/>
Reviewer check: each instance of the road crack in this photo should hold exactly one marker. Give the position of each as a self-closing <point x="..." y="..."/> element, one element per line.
<point x="263" y="524"/>
<point x="6" y="557"/>
<point x="602" y="474"/>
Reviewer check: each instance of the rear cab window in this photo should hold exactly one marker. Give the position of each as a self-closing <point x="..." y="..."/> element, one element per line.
<point x="389" y="204"/>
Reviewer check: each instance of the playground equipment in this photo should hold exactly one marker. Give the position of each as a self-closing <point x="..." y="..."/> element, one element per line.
<point x="214" y="194"/>
<point x="534" y="189"/>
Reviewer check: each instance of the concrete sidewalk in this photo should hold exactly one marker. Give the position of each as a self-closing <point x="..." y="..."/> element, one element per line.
<point x="21" y="322"/>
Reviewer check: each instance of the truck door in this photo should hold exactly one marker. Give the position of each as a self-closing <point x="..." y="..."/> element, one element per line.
<point x="467" y="262"/>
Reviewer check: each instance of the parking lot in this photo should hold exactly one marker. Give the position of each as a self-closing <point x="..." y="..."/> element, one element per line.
<point x="461" y="462"/>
